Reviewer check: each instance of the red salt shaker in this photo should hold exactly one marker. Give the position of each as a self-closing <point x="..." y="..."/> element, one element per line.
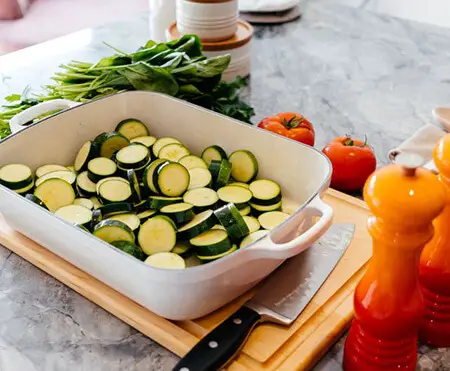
<point x="404" y="200"/>
<point x="434" y="267"/>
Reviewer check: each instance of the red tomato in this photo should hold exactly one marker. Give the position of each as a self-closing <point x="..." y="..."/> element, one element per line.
<point x="353" y="161"/>
<point x="291" y="125"/>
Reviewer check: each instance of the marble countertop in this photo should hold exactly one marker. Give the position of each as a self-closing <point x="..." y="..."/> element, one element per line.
<point x="348" y="70"/>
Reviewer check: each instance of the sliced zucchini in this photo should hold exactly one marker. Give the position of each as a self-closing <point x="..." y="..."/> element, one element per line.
<point x="130" y="248"/>
<point x="157" y="234"/>
<point x="245" y="211"/>
<point x="207" y="259"/>
<point x="100" y="182"/>
<point x="66" y="175"/>
<point x="192" y="261"/>
<point x="44" y="169"/>
<point x="171" y="179"/>
<point x="148" y="174"/>
<point x="180" y="213"/>
<point x="199" y="178"/>
<point x="55" y="193"/>
<point x="272" y="219"/>
<point x="166" y="260"/>
<point x="265" y="192"/>
<point x="31" y="197"/>
<point x="95" y="202"/>
<point x="16" y="176"/>
<point x="221" y="172"/>
<point x="244" y="166"/>
<point x="161" y="142"/>
<point x="82" y="227"/>
<point x="131" y="128"/>
<point x="96" y="217"/>
<point x="106" y="144"/>
<point x="133" y="156"/>
<point x="239" y="196"/>
<point x="219" y="226"/>
<point x="114" y="191"/>
<point x="25" y="190"/>
<point x="212" y="242"/>
<point x="85" y="186"/>
<point x="113" y="230"/>
<point x="84" y="155"/>
<point x="182" y="248"/>
<point x="239" y="184"/>
<point x="252" y="223"/>
<point x="139" y="171"/>
<point x="146" y="140"/>
<point x="173" y="152"/>
<point x="131" y="220"/>
<point x="213" y="153"/>
<point x="201" y="223"/>
<point x="101" y="167"/>
<point x="252" y="237"/>
<point x="116" y="208"/>
<point x="71" y="168"/>
<point x="158" y="202"/>
<point x="232" y="221"/>
<point x="192" y="162"/>
<point x="141" y="206"/>
<point x="134" y="185"/>
<point x="75" y="214"/>
<point x="266" y="208"/>
<point x="201" y="198"/>
<point x="144" y="215"/>
<point x="86" y="202"/>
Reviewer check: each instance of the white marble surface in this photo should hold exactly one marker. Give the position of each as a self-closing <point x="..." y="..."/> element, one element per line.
<point x="348" y="70"/>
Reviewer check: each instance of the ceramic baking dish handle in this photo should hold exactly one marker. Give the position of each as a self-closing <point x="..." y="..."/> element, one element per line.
<point x="285" y="242"/>
<point x="18" y="122"/>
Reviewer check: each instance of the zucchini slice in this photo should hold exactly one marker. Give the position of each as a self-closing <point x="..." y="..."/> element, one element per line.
<point x="171" y="179"/>
<point x="116" y="208"/>
<point x="245" y="211"/>
<point x="272" y="219"/>
<point x="106" y="144"/>
<point x="44" y="169"/>
<point x="148" y="174"/>
<point x="192" y="261"/>
<point x="131" y="128"/>
<point x="182" y="248"/>
<point x="207" y="259"/>
<point x="134" y="185"/>
<point x="265" y="192"/>
<point x="239" y="184"/>
<point x="161" y="142"/>
<point x="95" y="202"/>
<point x="66" y="175"/>
<point x="192" y="162"/>
<point x="113" y="230"/>
<point x="75" y="214"/>
<point x="72" y="169"/>
<point x="201" y="197"/>
<point x="201" y="223"/>
<point x="55" y="193"/>
<point x="252" y="237"/>
<point x="156" y="235"/>
<point x="101" y="167"/>
<point x="173" y="152"/>
<point x="158" y="202"/>
<point x="85" y="186"/>
<point x="96" y="217"/>
<point x="131" y="220"/>
<point x="31" y="197"/>
<point x="252" y="223"/>
<point x="199" y="178"/>
<point x="130" y="248"/>
<point x="25" y="190"/>
<point x="141" y="206"/>
<point x="146" y="140"/>
<point x="235" y="194"/>
<point x="180" y="213"/>
<point x="144" y="215"/>
<point x="114" y="191"/>
<point x="266" y="208"/>
<point x="166" y="260"/>
<point x="84" y="155"/>
<point x="212" y="242"/>
<point x="16" y="176"/>
<point x="86" y="202"/>
<point x="133" y="156"/>
<point x="100" y="182"/>
<point x="219" y="226"/>
<point x="232" y="221"/>
<point x="221" y="172"/>
<point x="244" y="166"/>
<point x="213" y="153"/>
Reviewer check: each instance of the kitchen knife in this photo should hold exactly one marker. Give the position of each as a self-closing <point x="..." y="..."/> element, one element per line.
<point x="281" y="299"/>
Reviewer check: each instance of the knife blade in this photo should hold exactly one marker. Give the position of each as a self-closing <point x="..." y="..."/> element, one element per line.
<point x="281" y="299"/>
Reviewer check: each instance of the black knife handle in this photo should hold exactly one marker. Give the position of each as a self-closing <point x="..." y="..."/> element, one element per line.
<point x="217" y="348"/>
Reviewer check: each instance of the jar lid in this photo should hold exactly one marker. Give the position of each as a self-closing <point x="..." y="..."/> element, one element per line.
<point x="242" y="37"/>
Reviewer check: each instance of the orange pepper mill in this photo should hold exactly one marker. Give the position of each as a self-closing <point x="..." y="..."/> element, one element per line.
<point x="434" y="267"/>
<point x="388" y="304"/>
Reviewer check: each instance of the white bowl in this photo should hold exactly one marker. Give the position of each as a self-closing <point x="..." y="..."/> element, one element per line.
<point x="442" y="115"/>
<point x="302" y="172"/>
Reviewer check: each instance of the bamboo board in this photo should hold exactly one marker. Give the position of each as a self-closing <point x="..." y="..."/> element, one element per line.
<point x="270" y="347"/>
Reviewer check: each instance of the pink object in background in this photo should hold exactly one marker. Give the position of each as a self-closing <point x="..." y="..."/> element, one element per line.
<point x="13" y="9"/>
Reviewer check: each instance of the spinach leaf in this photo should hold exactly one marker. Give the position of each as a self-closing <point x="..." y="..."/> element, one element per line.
<point x="207" y="68"/>
<point x="188" y="43"/>
<point x="147" y="54"/>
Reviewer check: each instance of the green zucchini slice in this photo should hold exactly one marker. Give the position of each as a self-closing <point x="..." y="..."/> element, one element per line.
<point x="221" y="172"/>
<point x="272" y="219"/>
<point x="134" y="184"/>
<point x="25" y="190"/>
<point x="171" y="179"/>
<point x="101" y="167"/>
<point x="245" y="211"/>
<point x="266" y="208"/>
<point x="114" y="191"/>
<point x="131" y="220"/>
<point x="180" y="213"/>
<point x="113" y="230"/>
<point x="95" y="202"/>
<point x="252" y="237"/>
<point x="213" y="153"/>
<point x="201" y="223"/>
<point x="75" y="214"/>
<point x="232" y="221"/>
<point x="133" y="156"/>
<point x="166" y="260"/>
<point x="212" y="242"/>
<point x="235" y="194"/>
<point x="84" y="155"/>
<point x="148" y="174"/>
<point x="157" y="234"/>
<point x="31" y="197"/>
<point x="161" y="142"/>
<point x="146" y="140"/>
<point x="55" y="193"/>
<point x="131" y="128"/>
<point x="207" y="259"/>
<point x="252" y="223"/>
<point x="96" y="217"/>
<point x="158" y="202"/>
<point x="106" y="144"/>
<point x="192" y="162"/>
<point x="100" y="182"/>
<point x="66" y="175"/>
<point x="116" y="208"/>
<point x="244" y="166"/>
<point x="201" y="197"/>
<point x="44" y="169"/>
<point x="199" y="178"/>
<point x="182" y="248"/>
<point x="239" y="184"/>
<point x="173" y="152"/>
<point x="86" y="202"/>
<point x="85" y="186"/>
<point x="130" y="248"/>
<point x="265" y="192"/>
<point x="144" y="215"/>
<point x="16" y="176"/>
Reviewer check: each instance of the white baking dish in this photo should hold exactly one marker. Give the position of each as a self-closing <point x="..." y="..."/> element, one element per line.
<point x="303" y="173"/>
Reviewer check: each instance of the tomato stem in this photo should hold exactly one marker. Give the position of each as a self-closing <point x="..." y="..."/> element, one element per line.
<point x="292" y="123"/>
<point x="348" y="141"/>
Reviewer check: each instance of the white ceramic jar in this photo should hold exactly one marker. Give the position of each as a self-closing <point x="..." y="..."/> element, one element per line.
<point x="210" y="20"/>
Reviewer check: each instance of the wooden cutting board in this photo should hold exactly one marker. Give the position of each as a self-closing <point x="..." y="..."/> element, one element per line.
<point x="270" y="347"/>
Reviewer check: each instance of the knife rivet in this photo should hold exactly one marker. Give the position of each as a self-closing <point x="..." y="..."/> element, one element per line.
<point x="213" y="344"/>
<point x="237" y="321"/>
